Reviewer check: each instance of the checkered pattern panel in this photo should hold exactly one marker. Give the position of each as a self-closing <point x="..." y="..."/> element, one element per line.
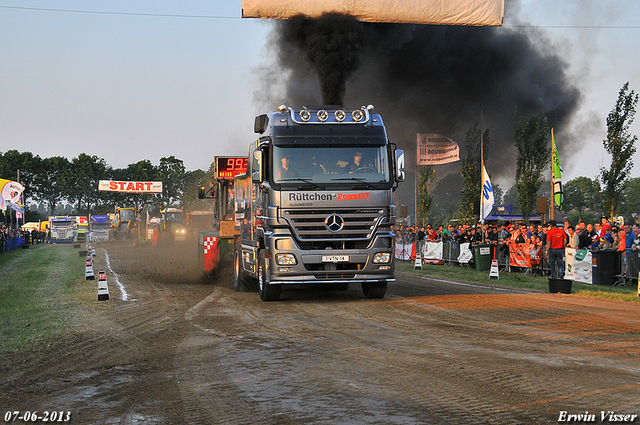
<point x="208" y="243"/>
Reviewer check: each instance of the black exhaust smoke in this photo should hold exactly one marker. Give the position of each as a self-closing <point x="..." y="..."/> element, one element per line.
<point x="331" y="44"/>
<point x="430" y="79"/>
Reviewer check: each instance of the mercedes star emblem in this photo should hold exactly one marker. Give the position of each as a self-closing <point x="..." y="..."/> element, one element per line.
<point x="334" y="223"/>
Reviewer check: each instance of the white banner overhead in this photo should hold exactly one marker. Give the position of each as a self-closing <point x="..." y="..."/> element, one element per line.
<point x="129" y="187"/>
<point x="434" y="149"/>
<point x="435" y="12"/>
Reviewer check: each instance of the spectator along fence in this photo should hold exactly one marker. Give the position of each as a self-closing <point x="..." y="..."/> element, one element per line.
<point x="604" y="267"/>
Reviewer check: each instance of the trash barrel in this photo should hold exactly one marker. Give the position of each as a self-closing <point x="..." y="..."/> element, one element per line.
<point x="482" y="254"/>
<point x="560" y="285"/>
<point x="602" y="267"/>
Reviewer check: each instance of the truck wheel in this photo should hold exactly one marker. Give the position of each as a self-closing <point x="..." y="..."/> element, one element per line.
<point x="374" y="290"/>
<point x="240" y="282"/>
<point x="267" y="292"/>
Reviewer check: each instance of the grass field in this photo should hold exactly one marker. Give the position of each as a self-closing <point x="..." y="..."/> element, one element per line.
<point x="39" y="290"/>
<point x="516" y="280"/>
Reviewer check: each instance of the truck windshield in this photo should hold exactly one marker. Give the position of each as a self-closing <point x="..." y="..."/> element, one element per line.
<point x="173" y="217"/>
<point x="330" y="164"/>
<point x="61" y="224"/>
<point x="126" y="215"/>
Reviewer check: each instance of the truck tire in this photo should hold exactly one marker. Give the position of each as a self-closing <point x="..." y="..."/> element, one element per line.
<point x="374" y="290"/>
<point x="267" y="292"/>
<point x="240" y="282"/>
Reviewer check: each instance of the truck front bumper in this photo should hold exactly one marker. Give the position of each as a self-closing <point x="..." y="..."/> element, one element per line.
<point x="331" y="266"/>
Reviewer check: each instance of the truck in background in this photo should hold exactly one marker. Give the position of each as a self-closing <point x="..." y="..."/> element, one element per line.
<point x="63" y="229"/>
<point x="316" y="203"/>
<point x="99" y="226"/>
<point x="82" y="224"/>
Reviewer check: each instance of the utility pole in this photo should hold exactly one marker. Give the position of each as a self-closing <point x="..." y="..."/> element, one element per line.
<point x="17" y="220"/>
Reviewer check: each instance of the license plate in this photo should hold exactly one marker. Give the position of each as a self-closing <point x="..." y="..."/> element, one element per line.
<point x="335" y="258"/>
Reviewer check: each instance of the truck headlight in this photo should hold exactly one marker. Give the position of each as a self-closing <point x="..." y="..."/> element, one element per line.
<point x="382" y="258"/>
<point x="286" y="260"/>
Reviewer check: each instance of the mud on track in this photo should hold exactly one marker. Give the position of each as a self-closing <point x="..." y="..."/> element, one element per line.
<point x="116" y="366"/>
<point x="184" y="350"/>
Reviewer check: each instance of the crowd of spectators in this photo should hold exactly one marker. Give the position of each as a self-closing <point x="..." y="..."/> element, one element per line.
<point x="595" y="237"/>
<point x="26" y="237"/>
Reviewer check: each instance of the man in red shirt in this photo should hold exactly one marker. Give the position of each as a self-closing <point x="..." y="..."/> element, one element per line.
<point x="556" y="242"/>
<point x="605" y="225"/>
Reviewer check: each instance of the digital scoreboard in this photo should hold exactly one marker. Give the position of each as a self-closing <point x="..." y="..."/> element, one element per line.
<point x="227" y="167"/>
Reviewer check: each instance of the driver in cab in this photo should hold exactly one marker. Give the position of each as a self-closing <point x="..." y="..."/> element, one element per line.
<point x="285" y="169"/>
<point x="356" y="164"/>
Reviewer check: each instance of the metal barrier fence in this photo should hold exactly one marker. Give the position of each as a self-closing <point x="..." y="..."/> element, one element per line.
<point x="626" y="267"/>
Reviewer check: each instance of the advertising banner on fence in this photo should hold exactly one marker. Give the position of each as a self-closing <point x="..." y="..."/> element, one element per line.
<point x="432" y="252"/>
<point x="465" y="253"/>
<point x="129" y="187"/>
<point x="578" y="265"/>
<point x="519" y="255"/>
<point x="434" y="149"/>
<point x="403" y="251"/>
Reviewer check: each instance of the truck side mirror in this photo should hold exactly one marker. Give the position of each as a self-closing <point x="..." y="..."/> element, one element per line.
<point x="256" y="167"/>
<point x="260" y="124"/>
<point x="400" y="165"/>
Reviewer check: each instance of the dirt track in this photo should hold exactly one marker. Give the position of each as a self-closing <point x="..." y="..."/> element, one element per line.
<point x="184" y="350"/>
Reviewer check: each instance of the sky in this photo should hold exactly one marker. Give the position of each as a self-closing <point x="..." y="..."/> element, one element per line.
<point x="127" y="81"/>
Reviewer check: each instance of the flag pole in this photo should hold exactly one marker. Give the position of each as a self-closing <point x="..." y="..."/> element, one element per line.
<point x="552" y="214"/>
<point x="416" y="193"/>
<point x="481" y="179"/>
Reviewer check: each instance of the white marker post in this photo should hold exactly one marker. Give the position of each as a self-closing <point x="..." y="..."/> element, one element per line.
<point x="103" y="289"/>
<point x="493" y="274"/>
<point x="88" y="270"/>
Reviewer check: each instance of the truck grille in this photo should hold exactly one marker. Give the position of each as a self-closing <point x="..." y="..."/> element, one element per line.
<point x="358" y="224"/>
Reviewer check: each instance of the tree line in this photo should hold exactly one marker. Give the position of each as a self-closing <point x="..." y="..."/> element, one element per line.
<point x="55" y="181"/>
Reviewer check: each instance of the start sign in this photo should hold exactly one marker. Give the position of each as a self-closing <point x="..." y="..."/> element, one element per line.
<point x="129" y="187"/>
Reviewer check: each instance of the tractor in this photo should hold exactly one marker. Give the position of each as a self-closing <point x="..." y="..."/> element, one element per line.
<point x="125" y="223"/>
<point x="170" y="226"/>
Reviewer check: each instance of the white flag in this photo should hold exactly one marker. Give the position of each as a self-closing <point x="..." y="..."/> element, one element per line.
<point x="486" y="201"/>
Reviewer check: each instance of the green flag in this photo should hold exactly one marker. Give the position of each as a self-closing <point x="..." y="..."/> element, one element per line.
<point x="556" y="174"/>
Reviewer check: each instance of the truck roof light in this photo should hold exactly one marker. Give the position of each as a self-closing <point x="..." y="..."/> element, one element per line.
<point x="328" y="115"/>
<point x="305" y="115"/>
